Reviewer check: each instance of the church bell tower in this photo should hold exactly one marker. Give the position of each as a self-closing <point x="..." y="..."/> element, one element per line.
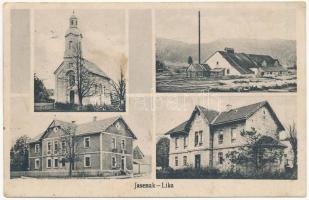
<point x="73" y="39"/>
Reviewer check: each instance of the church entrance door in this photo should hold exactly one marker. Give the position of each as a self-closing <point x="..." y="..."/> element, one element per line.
<point x="72" y="97"/>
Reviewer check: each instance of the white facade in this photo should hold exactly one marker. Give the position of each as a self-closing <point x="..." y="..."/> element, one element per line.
<point x="218" y="61"/>
<point x="218" y="140"/>
<point x="66" y="74"/>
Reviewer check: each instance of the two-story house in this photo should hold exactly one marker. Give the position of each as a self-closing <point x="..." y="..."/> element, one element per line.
<point x="100" y="147"/>
<point x="208" y="135"/>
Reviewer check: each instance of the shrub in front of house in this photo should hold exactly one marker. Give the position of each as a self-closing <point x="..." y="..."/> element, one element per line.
<point x="213" y="173"/>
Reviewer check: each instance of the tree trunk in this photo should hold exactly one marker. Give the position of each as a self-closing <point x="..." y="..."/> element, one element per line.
<point x="70" y="169"/>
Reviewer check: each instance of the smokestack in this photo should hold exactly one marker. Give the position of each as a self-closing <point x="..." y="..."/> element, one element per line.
<point x="199" y="37"/>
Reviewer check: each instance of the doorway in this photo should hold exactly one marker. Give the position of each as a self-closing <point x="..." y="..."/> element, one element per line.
<point x="72" y="97"/>
<point x="123" y="163"/>
<point x="198" y="161"/>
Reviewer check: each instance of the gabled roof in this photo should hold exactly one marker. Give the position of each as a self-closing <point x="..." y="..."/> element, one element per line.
<point x="238" y="113"/>
<point x="259" y="59"/>
<point x="137" y="153"/>
<point x="239" y="61"/>
<point x="233" y="115"/>
<point x="86" y="128"/>
<point x="185" y="126"/>
<point x="101" y="126"/>
<point x="243" y="113"/>
<point x="54" y="123"/>
<point x="198" y="67"/>
<point x="90" y="66"/>
<point x="181" y="128"/>
<point x="96" y="126"/>
<point x="243" y="62"/>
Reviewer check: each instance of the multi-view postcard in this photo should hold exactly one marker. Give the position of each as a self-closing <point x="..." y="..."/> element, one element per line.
<point x="155" y="99"/>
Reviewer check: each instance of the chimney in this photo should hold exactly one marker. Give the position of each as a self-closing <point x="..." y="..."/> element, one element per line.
<point x="229" y="50"/>
<point x="199" y="37"/>
<point x="95" y="118"/>
<point x="228" y="107"/>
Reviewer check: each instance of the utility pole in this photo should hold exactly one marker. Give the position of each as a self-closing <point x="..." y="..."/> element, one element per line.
<point x="199" y="37"/>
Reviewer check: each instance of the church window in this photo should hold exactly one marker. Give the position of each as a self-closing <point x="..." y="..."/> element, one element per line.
<point x="70" y="44"/>
<point x="71" y="77"/>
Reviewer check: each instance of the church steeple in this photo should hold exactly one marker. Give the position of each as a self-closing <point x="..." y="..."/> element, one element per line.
<point x="72" y="38"/>
<point x="73" y="21"/>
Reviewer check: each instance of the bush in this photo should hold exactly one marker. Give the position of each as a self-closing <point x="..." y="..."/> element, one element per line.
<point x="213" y="173"/>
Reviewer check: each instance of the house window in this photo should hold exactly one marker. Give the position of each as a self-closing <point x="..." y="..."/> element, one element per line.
<point x="200" y="137"/>
<point x="86" y="142"/>
<point x="37" y="164"/>
<point x="123" y="144"/>
<point x="87" y="162"/>
<point x="63" y="147"/>
<point x="185" y="163"/>
<point x="220" y="138"/>
<point x="217" y="62"/>
<point x="176" y="143"/>
<point x="55" y="147"/>
<point x="114" y="162"/>
<point x="233" y="135"/>
<point x="113" y="143"/>
<point x="264" y="114"/>
<point x="49" y="147"/>
<point x="63" y="162"/>
<point x="227" y="71"/>
<point x="49" y="162"/>
<point x="196" y="138"/>
<point x="37" y="148"/>
<point x="56" y="164"/>
<point x="185" y="142"/>
<point x="220" y="158"/>
<point x="176" y="161"/>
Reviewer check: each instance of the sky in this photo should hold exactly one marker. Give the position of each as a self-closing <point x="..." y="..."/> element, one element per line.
<point x="37" y="122"/>
<point x="250" y="22"/>
<point x="104" y="40"/>
<point x="171" y="111"/>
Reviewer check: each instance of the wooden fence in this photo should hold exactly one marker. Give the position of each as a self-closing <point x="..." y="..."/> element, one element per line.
<point x="44" y="106"/>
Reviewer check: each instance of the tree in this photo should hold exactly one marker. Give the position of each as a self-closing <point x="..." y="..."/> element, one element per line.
<point x="190" y="60"/>
<point x="19" y="154"/>
<point x="69" y="146"/>
<point x="258" y="152"/>
<point x="292" y="138"/>
<point x="40" y="91"/>
<point x="162" y="152"/>
<point x="79" y="77"/>
<point x="120" y="90"/>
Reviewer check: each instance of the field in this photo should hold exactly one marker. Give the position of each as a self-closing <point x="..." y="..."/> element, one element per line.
<point x="178" y="82"/>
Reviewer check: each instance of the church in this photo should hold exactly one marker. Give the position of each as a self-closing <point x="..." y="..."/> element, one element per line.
<point x="78" y="80"/>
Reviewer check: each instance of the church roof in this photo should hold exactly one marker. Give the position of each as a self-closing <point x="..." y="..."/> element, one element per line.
<point x="93" y="68"/>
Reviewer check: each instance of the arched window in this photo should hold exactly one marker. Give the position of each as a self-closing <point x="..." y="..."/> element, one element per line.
<point x="71" y="78"/>
<point x="70" y="44"/>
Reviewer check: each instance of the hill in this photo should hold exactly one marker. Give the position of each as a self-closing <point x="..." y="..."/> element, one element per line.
<point x="173" y="51"/>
